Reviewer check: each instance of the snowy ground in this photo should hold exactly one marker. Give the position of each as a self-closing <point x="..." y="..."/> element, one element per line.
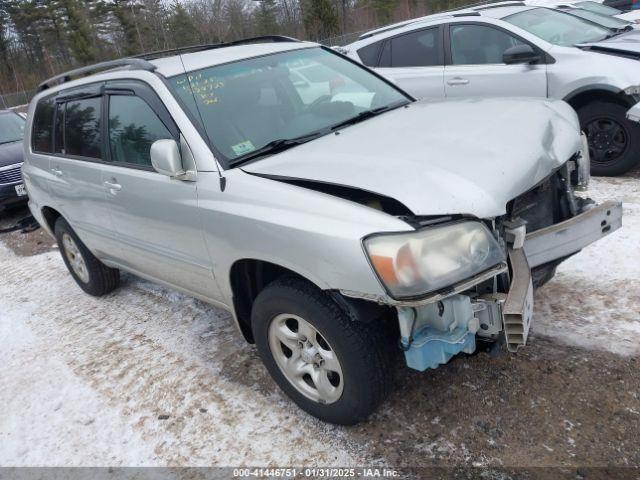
<point x="600" y="287"/>
<point x="147" y="376"/>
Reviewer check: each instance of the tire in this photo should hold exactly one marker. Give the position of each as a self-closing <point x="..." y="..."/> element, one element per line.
<point x="542" y="274"/>
<point x="614" y="141"/>
<point x="93" y="276"/>
<point x="364" y="353"/>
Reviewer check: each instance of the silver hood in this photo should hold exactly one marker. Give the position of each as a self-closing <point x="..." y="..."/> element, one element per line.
<point x="466" y="156"/>
<point x="628" y="43"/>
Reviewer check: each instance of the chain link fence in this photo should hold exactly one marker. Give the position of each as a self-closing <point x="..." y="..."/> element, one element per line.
<point x="16" y="99"/>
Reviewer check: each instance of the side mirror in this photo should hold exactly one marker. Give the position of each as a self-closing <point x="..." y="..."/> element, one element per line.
<point x="166" y="159"/>
<point x="520" y="54"/>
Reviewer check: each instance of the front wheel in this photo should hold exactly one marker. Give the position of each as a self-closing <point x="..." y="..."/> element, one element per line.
<point x="614" y="141"/>
<point x="334" y="368"/>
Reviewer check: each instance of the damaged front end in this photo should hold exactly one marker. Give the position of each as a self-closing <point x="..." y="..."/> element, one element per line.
<point x="459" y="279"/>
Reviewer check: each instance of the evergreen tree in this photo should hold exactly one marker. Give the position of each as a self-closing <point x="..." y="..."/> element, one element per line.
<point x="182" y="31"/>
<point x="79" y="33"/>
<point x="266" y="19"/>
<point x="320" y="19"/>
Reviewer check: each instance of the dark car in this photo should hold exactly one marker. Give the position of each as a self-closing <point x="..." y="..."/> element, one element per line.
<point x="624" y="5"/>
<point x="12" y="189"/>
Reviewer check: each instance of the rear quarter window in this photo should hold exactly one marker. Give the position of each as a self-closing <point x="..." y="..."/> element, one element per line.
<point x="369" y="54"/>
<point x="42" y="134"/>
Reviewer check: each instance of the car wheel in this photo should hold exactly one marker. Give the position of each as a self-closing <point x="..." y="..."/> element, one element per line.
<point x="334" y="368"/>
<point x="93" y="276"/>
<point x="543" y="274"/>
<point x="614" y="141"/>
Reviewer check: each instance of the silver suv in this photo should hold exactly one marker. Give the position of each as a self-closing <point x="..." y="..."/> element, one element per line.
<point x="334" y="216"/>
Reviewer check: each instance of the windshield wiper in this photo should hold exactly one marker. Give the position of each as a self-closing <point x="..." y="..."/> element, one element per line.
<point x="11" y="141"/>
<point x="367" y="114"/>
<point x="276" y="146"/>
<point x="618" y="31"/>
<point x="282" y="144"/>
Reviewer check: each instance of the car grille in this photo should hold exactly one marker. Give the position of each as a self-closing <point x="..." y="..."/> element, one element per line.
<point x="11" y="174"/>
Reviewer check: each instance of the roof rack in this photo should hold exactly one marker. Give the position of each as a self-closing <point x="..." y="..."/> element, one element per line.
<point x="131" y="63"/>
<point x="500" y="4"/>
<point x="141" y="62"/>
<point x="212" y="46"/>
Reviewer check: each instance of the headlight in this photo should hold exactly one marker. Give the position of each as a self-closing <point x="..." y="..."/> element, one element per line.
<point x="416" y="263"/>
<point x="635" y="90"/>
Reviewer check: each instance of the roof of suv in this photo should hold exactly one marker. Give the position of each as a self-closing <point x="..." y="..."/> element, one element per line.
<point x="492" y="10"/>
<point x="171" y="62"/>
<point x="170" y="66"/>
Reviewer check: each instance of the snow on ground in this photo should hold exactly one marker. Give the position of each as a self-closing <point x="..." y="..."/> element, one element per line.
<point x="594" y="300"/>
<point x="147" y="376"/>
<point x="88" y="380"/>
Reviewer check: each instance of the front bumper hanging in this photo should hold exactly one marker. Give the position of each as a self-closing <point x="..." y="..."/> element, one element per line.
<point x="566" y="238"/>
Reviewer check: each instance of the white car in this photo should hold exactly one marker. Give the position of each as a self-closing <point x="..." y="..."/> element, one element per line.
<point x="601" y="14"/>
<point x="518" y="50"/>
<point x="595" y="6"/>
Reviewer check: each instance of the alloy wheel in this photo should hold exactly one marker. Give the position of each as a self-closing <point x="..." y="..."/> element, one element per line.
<point x="305" y="358"/>
<point x="75" y="258"/>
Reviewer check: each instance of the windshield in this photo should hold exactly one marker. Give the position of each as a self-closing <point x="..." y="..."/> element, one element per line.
<point x="11" y="127"/>
<point x="250" y="104"/>
<point x="557" y="27"/>
<point x="598" y="8"/>
<point x="604" y="20"/>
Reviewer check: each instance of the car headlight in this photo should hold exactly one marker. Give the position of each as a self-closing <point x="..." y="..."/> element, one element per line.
<point x="417" y="263"/>
<point x="635" y="90"/>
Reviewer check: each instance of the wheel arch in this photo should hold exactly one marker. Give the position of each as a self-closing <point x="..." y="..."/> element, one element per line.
<point x="593" y="93"/>
<point x="50" y="216"/>
<point x="249" y="276"/>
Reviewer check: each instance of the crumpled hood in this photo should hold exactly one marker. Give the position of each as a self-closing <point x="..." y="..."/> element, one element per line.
<point x="466" y="156"/>
<point x="626" y="43"/>
<point x="11" y="153"/>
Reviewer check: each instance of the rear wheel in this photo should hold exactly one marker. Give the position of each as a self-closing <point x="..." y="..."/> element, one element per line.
<point x="614" y="141"/>
<point x="93" y="276"/>
<point x="334" y="368"/>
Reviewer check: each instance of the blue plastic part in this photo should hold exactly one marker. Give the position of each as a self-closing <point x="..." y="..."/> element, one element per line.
<point x="431" y="347"/>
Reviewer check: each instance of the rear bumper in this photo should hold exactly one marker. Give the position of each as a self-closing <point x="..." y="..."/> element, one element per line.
<point x="572" y="235"/>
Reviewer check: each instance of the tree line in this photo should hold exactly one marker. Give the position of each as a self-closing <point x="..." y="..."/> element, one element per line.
<point x="40" y="38"/>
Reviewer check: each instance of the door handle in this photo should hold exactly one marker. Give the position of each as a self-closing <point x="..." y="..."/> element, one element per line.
<point x="113" y="186"/>
<point x="56" y="171"/>
<point x="458" y="81"/>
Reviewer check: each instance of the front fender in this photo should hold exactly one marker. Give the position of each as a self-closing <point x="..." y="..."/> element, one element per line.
<point x="316" y="235"/>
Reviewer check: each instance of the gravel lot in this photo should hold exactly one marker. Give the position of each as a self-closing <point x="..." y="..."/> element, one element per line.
<point x="147" y="376"/>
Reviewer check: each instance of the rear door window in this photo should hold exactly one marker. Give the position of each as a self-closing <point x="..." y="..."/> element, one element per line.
<point x="133" y="127"/>
<point x="42" y="135"/>
<point x="417" y="49"/>
<point x="58" y="132"/>
<point x="82" y="127"/>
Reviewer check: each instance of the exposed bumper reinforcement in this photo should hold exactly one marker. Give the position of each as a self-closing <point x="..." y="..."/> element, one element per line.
<point x="518" y="307"/>
<point x="572" y="235"/>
